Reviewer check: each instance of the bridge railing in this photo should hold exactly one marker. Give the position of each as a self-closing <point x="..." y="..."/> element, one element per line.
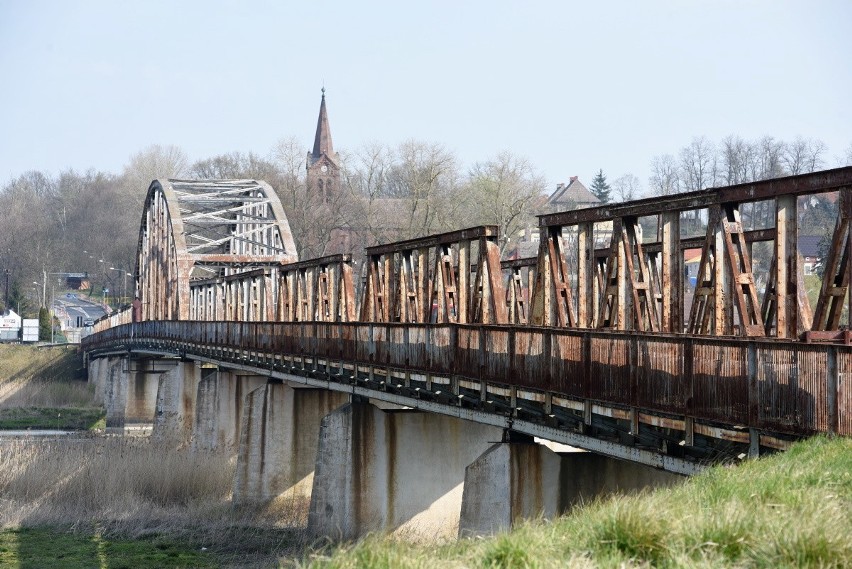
<point x="778" y="386"/>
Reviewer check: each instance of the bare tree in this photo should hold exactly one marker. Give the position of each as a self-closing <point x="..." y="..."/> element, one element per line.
<point x="803" y="155"/>
<point x="154" y="162"/>
<point x="735" y="155"/>
<point x="234" y="165"/>
<point x="767" y="160"/>
<point x="627" y="187"/>
<point x="664" y="180"/>
<point x="698" y="165"/>
<point x="503" y="191"/>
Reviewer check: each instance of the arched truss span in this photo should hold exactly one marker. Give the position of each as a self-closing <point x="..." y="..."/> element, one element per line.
<point x="202" y="229"/>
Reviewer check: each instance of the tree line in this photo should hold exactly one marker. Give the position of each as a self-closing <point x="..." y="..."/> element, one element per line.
<point x="89" y="221"/>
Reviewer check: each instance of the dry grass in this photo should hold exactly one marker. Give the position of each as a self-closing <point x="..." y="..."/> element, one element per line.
<point x="43" y="377"/>
<point x="133" y="487"/>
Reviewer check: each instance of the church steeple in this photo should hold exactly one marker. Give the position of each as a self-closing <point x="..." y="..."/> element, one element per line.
<point x="322" y="140"/>
<point x="323" y="165"/>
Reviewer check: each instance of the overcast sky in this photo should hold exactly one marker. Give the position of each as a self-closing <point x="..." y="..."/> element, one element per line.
<point x="573" y="86"/>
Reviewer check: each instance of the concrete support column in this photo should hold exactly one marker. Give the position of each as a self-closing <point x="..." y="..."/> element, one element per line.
<point x="98" y="376"/>
<point x="114" y="374"/>
<point x="176" y="392"/>
<point x="219" y="408"/>
<point x="511" y="482"/>
<point x="278" y="440"/>
<point x="141" y="396"/>
<point x="392" y="471"/>
<point x="508" y="483"/>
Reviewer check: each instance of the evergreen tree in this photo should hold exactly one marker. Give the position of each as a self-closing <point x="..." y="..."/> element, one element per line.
<point x="18" y="301"/>
<point x="600" y="188"/>
<point x="44" y="324"/>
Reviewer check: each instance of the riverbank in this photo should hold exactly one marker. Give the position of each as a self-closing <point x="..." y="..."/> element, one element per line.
<point x="129" y="498"/>
<point x="788" y="510"/>
<point x="46" y="388"/>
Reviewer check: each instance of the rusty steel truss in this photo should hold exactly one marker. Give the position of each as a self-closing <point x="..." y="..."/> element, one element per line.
<point x="222" y="250"/>
<point x="601" y="334"/>
<point x="202" y="230"/>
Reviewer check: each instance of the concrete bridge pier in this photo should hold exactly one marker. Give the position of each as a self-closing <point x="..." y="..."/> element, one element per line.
<point x="278" y="440"/>
<point x="142" y="381"/>
<point x="97" y="377"/>
<point x="175" y="410"/>
<point x="219" y="408"/>
<point x="511" y="482"/>
<point x="127" y="390"/>
<point x="397" y="471"/>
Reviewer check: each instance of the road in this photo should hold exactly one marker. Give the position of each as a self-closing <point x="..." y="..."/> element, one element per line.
<point x="69" y="306"/>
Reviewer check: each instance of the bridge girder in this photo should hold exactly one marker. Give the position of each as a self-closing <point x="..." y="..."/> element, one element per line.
<point x="192" y="229"/>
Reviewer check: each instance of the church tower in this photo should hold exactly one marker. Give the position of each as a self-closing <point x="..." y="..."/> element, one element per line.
<point x="323" y="163"/>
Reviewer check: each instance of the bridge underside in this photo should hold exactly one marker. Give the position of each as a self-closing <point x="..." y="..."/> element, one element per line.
<point x="669" y="402"/>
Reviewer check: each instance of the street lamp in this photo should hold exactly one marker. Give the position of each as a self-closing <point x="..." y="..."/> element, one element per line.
<point x="43" y="291"/>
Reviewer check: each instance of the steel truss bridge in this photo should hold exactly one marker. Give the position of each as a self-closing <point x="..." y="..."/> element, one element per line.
<point x="601" y="341"/>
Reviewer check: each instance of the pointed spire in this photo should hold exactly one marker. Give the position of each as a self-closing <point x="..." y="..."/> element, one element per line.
<point x="322" y="141"/>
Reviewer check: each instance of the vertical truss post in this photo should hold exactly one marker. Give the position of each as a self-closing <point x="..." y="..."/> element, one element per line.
<point x="541" y="311"/>
<point x="780" y="301"/>
<point x="373" y="305"/>
<point x="424" y="284"/>
<point x="323" y="296"/>
<point x="346" y="293"/>
<point x="723" y="309"/>
<point x="407" y="294"/>
<point x="672" y="276"/>
<point x="586" y="296"/>
<point x="515" y="291"/>
<point x="519" y="276"/>
<point x="553" y="301"/>
<point x="491" y="308"/>
<point x="446" y="287"/>
<point x="464" y="311"/>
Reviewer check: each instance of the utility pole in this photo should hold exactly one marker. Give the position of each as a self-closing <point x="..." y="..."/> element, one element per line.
<point x="6" y="301"/>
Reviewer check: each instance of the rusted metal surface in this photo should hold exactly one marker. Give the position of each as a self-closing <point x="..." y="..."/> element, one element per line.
<point x="452" y="277"/>
<point x="638" y="283"/>
<point x="613" y="332"/>
<point x="803" y="184"/>
<point x="777" y="386"/>
<point x="520" y="276"/>
<point x="203" y="229"/>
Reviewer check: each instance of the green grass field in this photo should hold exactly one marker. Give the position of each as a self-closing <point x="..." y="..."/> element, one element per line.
<point x="49" y="549"/>
<point x="69" y="419"/>
<point x="788" y="510"/>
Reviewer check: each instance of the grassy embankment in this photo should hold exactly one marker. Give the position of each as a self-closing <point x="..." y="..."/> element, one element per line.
<point x="45" y="388"/>
<point x="788" y="510"/>
<point x="123" y="502"/>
